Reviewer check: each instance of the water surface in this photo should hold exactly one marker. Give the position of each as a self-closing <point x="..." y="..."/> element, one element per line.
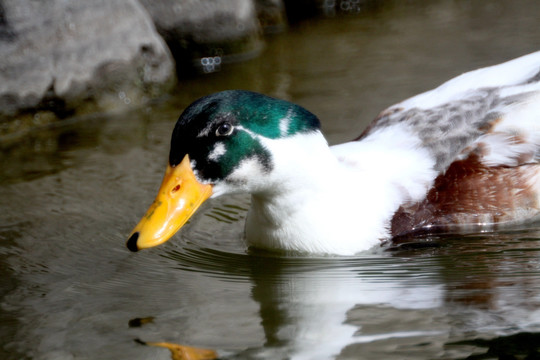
<point x="70" y="196"/>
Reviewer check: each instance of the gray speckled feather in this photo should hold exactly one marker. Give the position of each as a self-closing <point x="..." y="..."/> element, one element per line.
<point x="451" y="130"/>
<point x="446" y="129"/>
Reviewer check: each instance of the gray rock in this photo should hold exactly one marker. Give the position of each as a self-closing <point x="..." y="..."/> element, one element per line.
<point x="208" y="31"/>
<point x="272" y="16"/>
<point x="59" y="55"/>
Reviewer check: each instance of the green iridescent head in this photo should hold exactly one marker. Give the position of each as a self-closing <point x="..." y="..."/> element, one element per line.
<point x="221" y="131"/>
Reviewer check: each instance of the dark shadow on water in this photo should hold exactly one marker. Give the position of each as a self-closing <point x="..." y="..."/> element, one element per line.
<point x="523" y="346"/>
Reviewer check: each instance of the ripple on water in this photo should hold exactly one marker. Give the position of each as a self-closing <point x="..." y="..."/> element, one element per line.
<point x="212" y="243"/>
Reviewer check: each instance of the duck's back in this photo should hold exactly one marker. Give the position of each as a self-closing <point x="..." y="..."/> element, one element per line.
<point x="481" y="132"/>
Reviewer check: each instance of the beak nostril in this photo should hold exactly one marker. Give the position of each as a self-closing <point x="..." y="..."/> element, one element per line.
<point x="179" y="196"/>
<point x="132" y="242"/>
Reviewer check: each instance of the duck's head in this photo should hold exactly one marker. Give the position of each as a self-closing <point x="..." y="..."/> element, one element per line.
<point x="218" y="147"/>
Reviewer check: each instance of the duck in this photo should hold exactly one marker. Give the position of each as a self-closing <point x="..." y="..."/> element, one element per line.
<point x="463" y="157"/>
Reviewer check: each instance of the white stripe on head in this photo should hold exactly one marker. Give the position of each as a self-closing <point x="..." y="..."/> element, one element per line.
<point x="285" y="122"/>
<point x="249" y="132"/>
<point x="206" y="130"/>
<point x="218" y="150"/>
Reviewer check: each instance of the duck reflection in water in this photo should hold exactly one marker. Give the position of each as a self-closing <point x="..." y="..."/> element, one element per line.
<point x="321" y="308"/>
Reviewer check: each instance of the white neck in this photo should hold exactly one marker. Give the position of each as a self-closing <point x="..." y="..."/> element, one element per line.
<point x="312" y="202"/>
<point x="336" y="200"/>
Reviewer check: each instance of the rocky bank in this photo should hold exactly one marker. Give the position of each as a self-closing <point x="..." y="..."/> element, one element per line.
<point x="62" y="58"/>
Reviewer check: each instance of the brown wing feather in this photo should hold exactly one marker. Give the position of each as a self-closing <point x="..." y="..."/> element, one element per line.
<point x="470" y="195"/>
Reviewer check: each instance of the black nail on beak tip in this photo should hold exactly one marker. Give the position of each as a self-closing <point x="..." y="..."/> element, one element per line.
<point x="132" y="242"/>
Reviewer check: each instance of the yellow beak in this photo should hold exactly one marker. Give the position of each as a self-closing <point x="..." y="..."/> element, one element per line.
<point x="179" y="196"/>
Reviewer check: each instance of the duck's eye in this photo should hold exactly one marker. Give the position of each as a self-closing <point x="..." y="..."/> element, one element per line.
<point x="224" y="129"/>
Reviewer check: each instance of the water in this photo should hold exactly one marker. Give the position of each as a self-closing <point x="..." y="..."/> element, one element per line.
<point x="70" y="196"/>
